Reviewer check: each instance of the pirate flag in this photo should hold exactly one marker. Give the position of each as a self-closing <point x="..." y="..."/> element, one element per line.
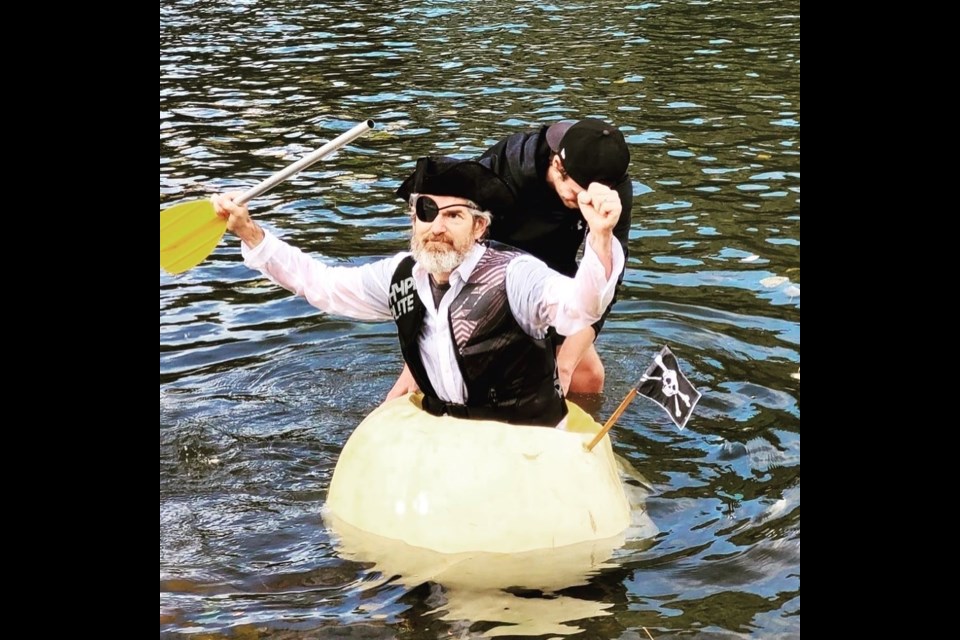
<point x="665" y="384"/>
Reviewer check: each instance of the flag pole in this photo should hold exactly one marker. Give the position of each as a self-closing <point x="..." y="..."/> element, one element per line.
<point x="613" y="419"/>
<point x="671" y="383"/>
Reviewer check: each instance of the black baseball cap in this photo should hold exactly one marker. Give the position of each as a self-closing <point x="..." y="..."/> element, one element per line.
<point x="591" y="151"/>
<point x="445" y="176"/>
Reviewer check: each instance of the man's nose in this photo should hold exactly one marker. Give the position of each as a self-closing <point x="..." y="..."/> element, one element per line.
<point x="438" y="225"/>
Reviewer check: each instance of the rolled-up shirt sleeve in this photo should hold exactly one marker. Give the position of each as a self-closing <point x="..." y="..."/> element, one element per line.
<point x="359" y="292"/>
<point x="541" y="298"/>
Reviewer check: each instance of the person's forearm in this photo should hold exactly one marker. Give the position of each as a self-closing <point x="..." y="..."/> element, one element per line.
<point x="354" y="292"/>
<point x="239" y="222"/>
<point x="568" y="304"/>
<point x="595" y="281"/>
<point x="249" y="232"/>
<point x="602" y="245"/>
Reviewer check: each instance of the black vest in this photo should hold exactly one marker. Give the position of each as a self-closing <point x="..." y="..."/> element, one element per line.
<point x="510" y="376"/>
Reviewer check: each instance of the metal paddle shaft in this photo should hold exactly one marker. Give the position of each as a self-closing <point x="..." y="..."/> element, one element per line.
<point x="301" y="164"/>
<point x="189" y="231"/>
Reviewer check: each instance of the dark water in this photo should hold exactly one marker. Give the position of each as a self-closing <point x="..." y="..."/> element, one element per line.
<point x="258" y="393"/>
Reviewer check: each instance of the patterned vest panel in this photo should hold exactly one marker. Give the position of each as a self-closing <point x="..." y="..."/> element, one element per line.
<point x="510" y="376"/>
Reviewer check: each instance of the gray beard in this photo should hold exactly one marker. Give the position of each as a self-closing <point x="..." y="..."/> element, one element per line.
<point x="437" y="261"/>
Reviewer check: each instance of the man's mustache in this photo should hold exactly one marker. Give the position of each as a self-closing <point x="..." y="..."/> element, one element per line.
<point x="439" y="238"/>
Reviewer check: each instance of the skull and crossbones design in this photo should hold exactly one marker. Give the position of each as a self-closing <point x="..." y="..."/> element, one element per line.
<point x="669" y="385"/>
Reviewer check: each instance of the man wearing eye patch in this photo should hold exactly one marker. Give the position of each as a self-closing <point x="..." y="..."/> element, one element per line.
<point x="472" y="319"/>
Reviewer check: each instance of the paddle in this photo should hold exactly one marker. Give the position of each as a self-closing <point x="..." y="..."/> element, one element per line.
<point x="189" y="231"/>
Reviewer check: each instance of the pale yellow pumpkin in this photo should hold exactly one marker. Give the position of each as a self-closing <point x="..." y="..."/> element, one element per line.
<point x="455" y="486"/>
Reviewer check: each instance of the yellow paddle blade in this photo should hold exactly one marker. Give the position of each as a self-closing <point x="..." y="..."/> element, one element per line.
<point x="189" y="232"/>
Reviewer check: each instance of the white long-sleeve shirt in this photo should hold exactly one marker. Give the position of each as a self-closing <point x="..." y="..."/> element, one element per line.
<point x="539" y="297"/>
